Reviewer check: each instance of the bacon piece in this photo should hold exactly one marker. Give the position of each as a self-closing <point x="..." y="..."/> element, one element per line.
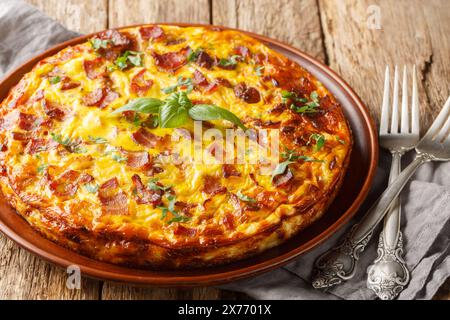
<point x="117" y="42"/>
<point x="212" y="186"/>
<point x="85" y="178"/>
<point x="28" y="122"/>
<point x="114" y="202"/>
<point x="109" y="97"/>
<point x="52" y="111"/>
<point x="223" y="82"/>
<point x="67" y="84"/>
<point x="152" y="33"/>
<point x="201" y="82"/>
<point x="185" y="207"/>
<point x="229" y="170"/>
<point x="65" y="185"/>
<point x="39" y="95"/>
<point x="183" y="231"/>
<point x="228" y="221"/>
<point x="139" y="84"/>
<point x="95" y="97"/>
<point x="248" y="94"/>
<point x="136" y="159"/>
<point x="144" y="195"/>
<point x="21" y="136"/>
<point x="39" y="145"/>
<point x="204" y="60"/>
<point x="146" y="138"/>
<point x="93" y="68"/>
<point x="282" y="179"/>
<point x="171" y="61"/>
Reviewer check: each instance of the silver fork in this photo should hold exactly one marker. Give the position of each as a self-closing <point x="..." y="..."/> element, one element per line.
<point x="388" y="275"/>
<point x="339" y="263"/>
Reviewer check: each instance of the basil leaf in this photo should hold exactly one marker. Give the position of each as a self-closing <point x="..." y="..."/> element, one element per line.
<point x="172" y="115"/>
<point x="144" y="105"/>
<point x="211" y="112"/>
<point x="281" y="168"/>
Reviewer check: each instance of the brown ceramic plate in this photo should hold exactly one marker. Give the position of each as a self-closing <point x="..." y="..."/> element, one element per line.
<point x="355" y="187"/>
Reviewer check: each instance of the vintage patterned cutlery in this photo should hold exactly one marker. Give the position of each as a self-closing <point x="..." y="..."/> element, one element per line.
<point x="339" y="264"/>
<point x="388" y="275"/>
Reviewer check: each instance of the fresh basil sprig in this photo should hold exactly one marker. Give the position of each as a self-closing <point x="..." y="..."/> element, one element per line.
<point x="143" y="105"/>
<point x="211" y="112"/>
<point x="291" y="156"/>
<point x="175" y="110"/>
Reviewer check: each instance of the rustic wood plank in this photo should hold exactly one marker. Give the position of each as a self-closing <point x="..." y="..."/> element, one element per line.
<point x="122" y="13"/>
<point x="79" y="15"/>
<point x="22" y="275"/>
<point x="125" y="12"/>
<point x="294" y="22"/>
<point x="412" y="32"/>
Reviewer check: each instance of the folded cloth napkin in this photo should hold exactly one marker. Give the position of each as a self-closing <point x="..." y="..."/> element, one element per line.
<point x="25" y="31"/>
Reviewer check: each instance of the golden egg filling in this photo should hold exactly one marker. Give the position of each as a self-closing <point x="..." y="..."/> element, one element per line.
<point x="112" y="147"/>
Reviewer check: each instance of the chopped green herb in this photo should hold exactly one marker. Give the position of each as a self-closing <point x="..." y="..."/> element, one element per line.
<point x="98" y="43"/>
<point x="291" y="156"/>
<point x="91" y="188"/>
<point x="132" y="57"/>
<point x="55" y="80"/>
<point x="181" y="82"/>
<point x="259" y="70"/>
<point x="98" y="140"/>
<point x="42" y="168"/>
<point x="171" y="208"/>
<point x="320" y="141"/>
<point x="231" y="61"/>
<point x="245" y="198"/>
<point x="193" y="55"/>
<point x="118" y="158"/>
<point x="152" y="185"/>
<point x="340" y="140"/>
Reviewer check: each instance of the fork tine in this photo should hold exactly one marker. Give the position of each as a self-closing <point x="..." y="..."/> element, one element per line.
<point x="384" y="122"/>
<point x="439" y="121"/>
<point x="443" y="132"/>
<point x="415" y="127"/>
<point x="394" y="117"/>
<point x="404" y="125"/>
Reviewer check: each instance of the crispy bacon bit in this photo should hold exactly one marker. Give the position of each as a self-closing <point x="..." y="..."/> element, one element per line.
<point x="93" y="68"/>
<point x="278" y="108"/>
<point x="247" y="94"/>
<point x="223" y="82"/>
<point x="204" y="60"/>
<point x="52" y="111"/>
<point x="229" y="170"/>
<point x="151" y="33"/>
<point x="109" y="97"/>
<point x="185" y="207"/>
<point x="171" y="61"/>
<point x="212" y="186"/>
<point x="21" y="136"/>
<point x="39" y="95"/>
<point x="139" y="84"/>
<point x="95" y="97"/>
<point x="242" y="51"/>
<point x="28" y="122"/>
<point x="68" y="84"/>
<point x="228" y="221"/>
<point x="144" y="195"/>
<point x="203" y="83"/>
<point x="281" y="179"/>
<point x="180" y="230"/>
<point x="114" y="202"/>
<point x="117" y="42"/>
<point x="39" y="145"/>
<point x="85" y="178"/>
<point x="146" y="138"/>
<point x="65" y="185"/>
<point x="136" y="159"/>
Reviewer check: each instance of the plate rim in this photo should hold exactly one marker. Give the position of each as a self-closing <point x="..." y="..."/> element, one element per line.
<point x="226" y="276"/>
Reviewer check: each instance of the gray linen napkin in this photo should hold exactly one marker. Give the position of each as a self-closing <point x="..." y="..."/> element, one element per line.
<point x="25" y="31"/>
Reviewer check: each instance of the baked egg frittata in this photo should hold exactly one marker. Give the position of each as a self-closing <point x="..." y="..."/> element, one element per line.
<point x="87" y="148"/>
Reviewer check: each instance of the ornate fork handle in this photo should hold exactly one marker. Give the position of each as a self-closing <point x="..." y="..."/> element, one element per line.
<point x="339" y="264"/>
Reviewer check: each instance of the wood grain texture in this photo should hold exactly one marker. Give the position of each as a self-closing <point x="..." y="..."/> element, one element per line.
<point x="294" y="22"/>
<point x="128" y="12"/>
<point x="360" y="54"/>
<point x="78" y="15"/>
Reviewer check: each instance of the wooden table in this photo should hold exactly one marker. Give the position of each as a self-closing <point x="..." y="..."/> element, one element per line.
<point x="357" y="38"/>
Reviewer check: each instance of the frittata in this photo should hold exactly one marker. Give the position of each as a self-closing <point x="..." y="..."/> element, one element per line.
<point x="87" y="154"/>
